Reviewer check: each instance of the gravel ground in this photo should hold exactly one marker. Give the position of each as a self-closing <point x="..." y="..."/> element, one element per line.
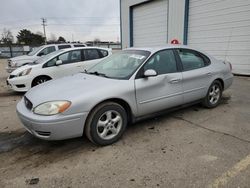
<point x="191" y="147"/>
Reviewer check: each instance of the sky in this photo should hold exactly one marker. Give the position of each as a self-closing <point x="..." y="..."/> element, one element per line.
<point x="77" y="20"/>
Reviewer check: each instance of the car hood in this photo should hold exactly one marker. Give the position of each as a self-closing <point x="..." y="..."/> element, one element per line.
<point x="22" y="58"/>
<point x="76" y="88"/>
<point x="22" y="68"/>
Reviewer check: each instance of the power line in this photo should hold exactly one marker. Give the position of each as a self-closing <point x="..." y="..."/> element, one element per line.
<point x="44" y="21"/>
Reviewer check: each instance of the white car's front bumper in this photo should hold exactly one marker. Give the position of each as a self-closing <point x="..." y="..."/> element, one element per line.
<point x="19" y="84"/>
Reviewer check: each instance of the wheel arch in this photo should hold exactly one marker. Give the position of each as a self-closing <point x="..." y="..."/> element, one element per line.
<point x="221" y="82"/>
<point x="43" y="75"/>
<point x="119" y="101"/>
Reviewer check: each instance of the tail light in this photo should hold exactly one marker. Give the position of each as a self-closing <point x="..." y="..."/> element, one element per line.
<point x="230" y="65"/>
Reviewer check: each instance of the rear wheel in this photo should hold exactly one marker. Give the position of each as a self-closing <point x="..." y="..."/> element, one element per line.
<point x="106" y="123"/>
<point x="213" y="96"/>
<point x="40" y="80"/>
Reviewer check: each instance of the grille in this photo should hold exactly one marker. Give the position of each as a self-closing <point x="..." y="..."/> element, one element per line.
<point x="9" y="62"/>
<point x="28" y="104"/>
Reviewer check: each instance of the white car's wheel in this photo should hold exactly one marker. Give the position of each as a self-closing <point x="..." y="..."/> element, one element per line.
<point x="40" y="80"/>
<point x="106" y="123"/>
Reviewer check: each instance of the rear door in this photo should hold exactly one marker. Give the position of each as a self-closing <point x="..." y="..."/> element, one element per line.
<point x="161" y="91"/>
<point x="196" y="74"/>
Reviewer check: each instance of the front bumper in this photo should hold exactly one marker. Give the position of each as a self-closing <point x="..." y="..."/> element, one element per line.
<point x="10" y="69"/>
<point x="19" y="84"/>
<point x="55" y="127"/>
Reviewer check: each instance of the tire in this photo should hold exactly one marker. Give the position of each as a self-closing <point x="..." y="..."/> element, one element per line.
<point x="101" y="128"/>
<point x="213" y="96"/>
<point x="39" y="80"/>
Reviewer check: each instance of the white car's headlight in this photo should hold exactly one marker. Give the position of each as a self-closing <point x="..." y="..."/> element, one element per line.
<point x="25" y="72"/>
<point x="52" y="107"/>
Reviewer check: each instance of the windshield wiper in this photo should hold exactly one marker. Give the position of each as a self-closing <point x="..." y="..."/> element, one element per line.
<point x="96" y="73"/>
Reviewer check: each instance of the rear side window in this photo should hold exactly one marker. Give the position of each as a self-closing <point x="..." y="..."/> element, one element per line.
<point x="70" y="57"/>
<point x="103" y="53"/>
<point x="63" y="46"/>
<point x="192" y="60"/>
<point x="90" y="54"/>
<point x="79" y="45"/>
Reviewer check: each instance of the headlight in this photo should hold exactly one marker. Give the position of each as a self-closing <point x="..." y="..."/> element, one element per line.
<point x="51" y="108"/>
<point x="25" y="72"/>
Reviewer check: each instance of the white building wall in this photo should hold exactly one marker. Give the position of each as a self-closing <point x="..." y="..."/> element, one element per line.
<point x="175" y="19"/>
<point x="176" y="10"/>
<point x="222" y="29"/>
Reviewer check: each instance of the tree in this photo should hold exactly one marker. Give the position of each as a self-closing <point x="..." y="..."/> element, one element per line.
<point x="61" y="39"/>
<point x="7" y="37"/>
<point x="27" y="37"/>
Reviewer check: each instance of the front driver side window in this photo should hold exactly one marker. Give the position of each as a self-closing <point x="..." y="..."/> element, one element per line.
<point x="162" y="62"/>
<point x="68" y="57"/>
<point x="47" y="50"/>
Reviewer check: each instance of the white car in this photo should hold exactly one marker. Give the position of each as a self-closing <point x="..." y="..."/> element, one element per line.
<point x="15" y="62"/>
<point x="55" y="65"/>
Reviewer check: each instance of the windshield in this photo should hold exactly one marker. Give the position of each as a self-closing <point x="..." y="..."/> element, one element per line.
<point x="120" y="65"/>
<point x="47" y="57"/>
<point x="35" y="50"/>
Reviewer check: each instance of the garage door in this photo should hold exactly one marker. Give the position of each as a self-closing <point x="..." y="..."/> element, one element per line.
<point x="150" y="23"/>
<point x="222" y="28"/>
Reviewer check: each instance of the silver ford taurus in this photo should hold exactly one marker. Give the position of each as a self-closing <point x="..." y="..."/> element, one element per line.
<point x="121" y="89"/>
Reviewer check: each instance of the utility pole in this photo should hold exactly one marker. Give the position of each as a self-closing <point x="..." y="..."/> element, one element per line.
<point x="44" y="32"/>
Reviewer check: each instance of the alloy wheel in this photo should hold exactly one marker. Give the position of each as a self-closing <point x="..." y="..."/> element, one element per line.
<point x="109" y="124"/>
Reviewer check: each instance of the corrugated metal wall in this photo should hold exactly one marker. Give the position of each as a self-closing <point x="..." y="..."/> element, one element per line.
<point x="150" y="24"/>
<point x="222" y="28"/>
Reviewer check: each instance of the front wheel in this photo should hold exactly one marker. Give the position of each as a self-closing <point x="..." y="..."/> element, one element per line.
<point x="40" y="80"/>
<point x="213" y="96"/>
<point x="106" y="123"/>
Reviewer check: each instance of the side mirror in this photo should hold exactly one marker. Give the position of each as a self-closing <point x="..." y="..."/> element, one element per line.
<point x="150" y="73"/>
<point x="59" y="62"/>
<point x="40" y="54"/>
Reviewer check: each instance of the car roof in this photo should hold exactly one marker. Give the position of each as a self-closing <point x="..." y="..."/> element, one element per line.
<point x="85" y="47"/>
<point x="64" y="44"/>
<point x="157" y="48"/>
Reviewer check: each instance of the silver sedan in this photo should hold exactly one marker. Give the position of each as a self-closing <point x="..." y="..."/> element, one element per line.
<point x="125" y="87"/>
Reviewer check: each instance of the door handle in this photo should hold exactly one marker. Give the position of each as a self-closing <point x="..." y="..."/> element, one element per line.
<point x="209" y="74"/>
<point x="174" y="80"/>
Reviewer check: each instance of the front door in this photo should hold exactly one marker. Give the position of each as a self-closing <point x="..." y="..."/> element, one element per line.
<point x="162" y="91"/>
<point x="71" y="64"/>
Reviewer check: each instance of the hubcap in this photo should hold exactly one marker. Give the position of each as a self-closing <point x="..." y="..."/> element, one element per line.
<point x="214" y="94"/>
<point x="41" y="81"/>
<point x="109" y="124"/>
